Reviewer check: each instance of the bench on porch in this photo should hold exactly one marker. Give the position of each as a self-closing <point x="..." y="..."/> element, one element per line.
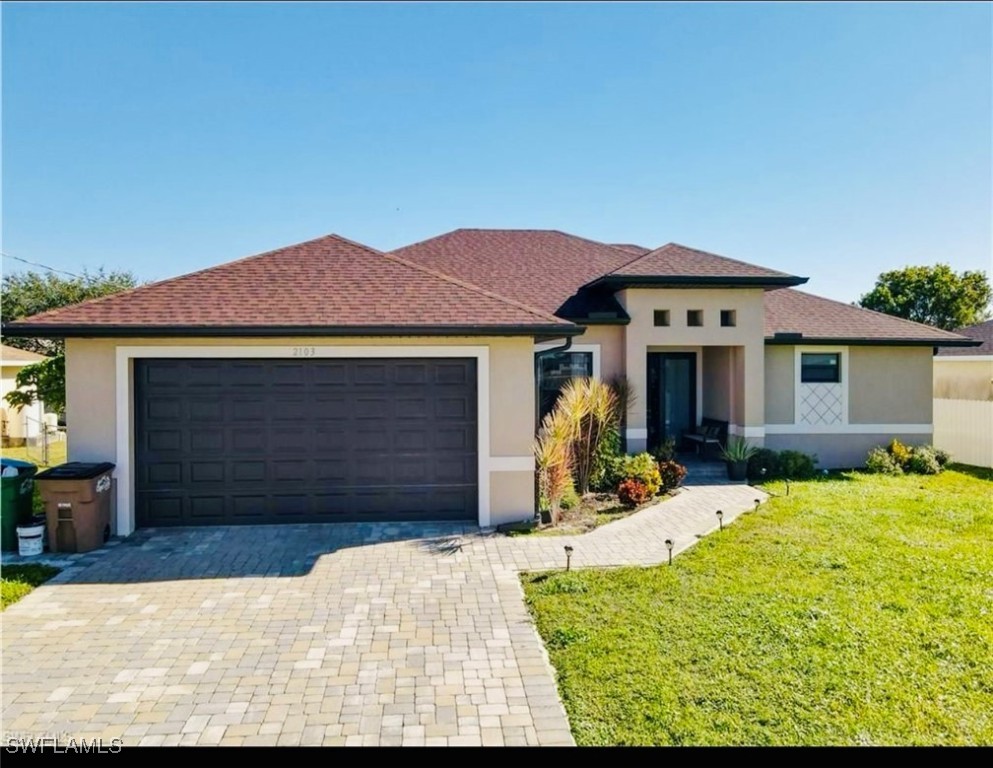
<point x="710" y="433"/>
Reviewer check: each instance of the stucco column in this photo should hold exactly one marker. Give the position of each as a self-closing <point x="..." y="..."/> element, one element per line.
<point x="753" y="381"/>
<point x="636" y="358"/>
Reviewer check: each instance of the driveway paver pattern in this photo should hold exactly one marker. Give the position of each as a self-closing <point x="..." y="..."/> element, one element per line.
<point x="349" y="634"/>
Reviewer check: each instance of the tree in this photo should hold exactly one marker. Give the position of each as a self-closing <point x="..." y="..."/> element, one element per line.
<point x="45" y="381"/>
<point x="935" y="296"/>
<point x="29" y="293"/>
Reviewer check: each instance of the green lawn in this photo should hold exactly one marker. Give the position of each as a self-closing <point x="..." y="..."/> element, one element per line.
<point x="56" y="454"/>
<point x="17" y="580"/>
<point x="858" y="610"/>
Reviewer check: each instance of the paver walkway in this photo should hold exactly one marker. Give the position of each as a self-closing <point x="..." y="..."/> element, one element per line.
<point x="326" y="634"/>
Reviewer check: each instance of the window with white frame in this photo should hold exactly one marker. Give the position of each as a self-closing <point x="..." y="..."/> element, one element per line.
<point x="820" y="367"/>
<point x="555" y="370"/>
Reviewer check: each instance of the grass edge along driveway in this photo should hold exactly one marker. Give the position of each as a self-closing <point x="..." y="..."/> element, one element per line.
<point x="18" y="580"/>
<point x="858" y="610"/>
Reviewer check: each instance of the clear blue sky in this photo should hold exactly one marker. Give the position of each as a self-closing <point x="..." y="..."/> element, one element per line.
<point x="834" y="141"/>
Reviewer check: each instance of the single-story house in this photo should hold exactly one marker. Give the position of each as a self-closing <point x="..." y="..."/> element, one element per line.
<point x="17" y="424"/>
<point x="330" y="381"/>
<point x="963" y="397"/>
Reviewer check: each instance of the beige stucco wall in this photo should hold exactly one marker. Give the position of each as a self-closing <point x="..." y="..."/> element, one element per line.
<point x="610" y="339"/>
<point x="779" y="377"/>
<point x="91" y="400"/>
<point x="91" y="416"/>
<point x="642" y="336"/>
<point x="718" y="373"/>
<point x="962" y="378"/>
<point x="841" y="451"/>
<point x="886" y="386"/>
<point x="890" y="385"/>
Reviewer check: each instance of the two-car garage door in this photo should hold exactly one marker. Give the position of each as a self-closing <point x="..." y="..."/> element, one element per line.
<point x="229" y="441"/>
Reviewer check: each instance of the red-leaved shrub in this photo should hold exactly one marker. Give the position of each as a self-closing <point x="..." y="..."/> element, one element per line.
<point x="631" y="493"/>
<point x="672" y="473"/>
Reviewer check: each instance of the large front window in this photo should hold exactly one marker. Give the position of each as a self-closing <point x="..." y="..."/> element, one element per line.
<point x="555" y="370"/>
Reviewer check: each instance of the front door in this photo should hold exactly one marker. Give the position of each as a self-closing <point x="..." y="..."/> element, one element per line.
<point x="671" y="396"/>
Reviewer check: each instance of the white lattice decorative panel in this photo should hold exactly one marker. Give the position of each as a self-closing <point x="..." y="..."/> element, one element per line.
<point x="821" y="403"/>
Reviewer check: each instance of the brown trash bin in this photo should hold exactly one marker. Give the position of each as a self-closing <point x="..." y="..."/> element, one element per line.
<point x="77" y="505"/>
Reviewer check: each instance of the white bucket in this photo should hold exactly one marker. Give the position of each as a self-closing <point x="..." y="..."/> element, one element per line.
<point x="30" y="539"/>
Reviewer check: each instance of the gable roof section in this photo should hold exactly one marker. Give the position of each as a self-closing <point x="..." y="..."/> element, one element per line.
<point x="637" y="250"/>
<point x="674" y="264"/>
<point x="543" y="268"/>
<point x="19" y="357"/>
<point x="789" y="312"/>
<point x="981" y="332"/>
<point x="327" y="286"/>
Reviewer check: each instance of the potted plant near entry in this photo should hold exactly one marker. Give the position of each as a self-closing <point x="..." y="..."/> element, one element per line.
<point x="736" y="454"/>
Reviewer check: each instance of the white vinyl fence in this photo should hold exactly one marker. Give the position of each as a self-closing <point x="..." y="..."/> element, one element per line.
<point x="964" y="428"/>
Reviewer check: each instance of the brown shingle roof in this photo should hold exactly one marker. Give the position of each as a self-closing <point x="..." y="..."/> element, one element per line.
<point x="325" y="283"/>
<point x="505" y="281"/>
<point x="637" y="250"/>
<point x="982" y="332"/>
<point x="791" y="311"/>
<point x="544" y="268"/>
<point x="15" y="356"/>
<point x="674" y="260"/>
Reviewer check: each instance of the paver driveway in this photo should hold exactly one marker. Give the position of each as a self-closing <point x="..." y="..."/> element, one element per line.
<point x="326" y="634"/>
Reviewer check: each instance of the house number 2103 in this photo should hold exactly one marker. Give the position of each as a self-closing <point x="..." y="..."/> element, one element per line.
<point x="304" y="351"/>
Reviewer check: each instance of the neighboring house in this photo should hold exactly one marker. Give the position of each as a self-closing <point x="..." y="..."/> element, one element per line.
<point x="329" y="381"/>
<point x="963" y="392"/>
<point x="17" y="424"/>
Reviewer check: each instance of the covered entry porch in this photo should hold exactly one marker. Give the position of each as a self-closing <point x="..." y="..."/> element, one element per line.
<point x="691" y="390"/>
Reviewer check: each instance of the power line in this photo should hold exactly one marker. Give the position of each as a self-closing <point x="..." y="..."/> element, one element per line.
<point x="36" y="264"/>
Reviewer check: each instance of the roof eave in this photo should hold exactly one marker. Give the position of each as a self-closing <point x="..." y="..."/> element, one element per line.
<point x="862" y="341"/>
<point x="707" y="281"/>
<point x="599" y="320"/>
<point x="20" y="363"/>
<point x="28" y="330"/>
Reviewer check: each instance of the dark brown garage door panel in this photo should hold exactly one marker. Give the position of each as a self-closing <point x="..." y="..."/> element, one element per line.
<point x="268" y="441"/>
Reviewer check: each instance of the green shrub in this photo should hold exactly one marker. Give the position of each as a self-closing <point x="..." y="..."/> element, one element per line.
<point x="643" y="468"/>
<point x="605" y="474"/>
<point x="796" y="465"/>
<point x="923" y="461"/>
<point x="632" y="492"/>
<point x="881" y="462"/>
<point x="672" y="474"/>
<point x="570" y="499"/>
<point x="897" y="458"/>
<point x="613" y="473"/>
<point x="666" y="451"/>
<point x="767" y="459"/>
<point x="900" y="453"/>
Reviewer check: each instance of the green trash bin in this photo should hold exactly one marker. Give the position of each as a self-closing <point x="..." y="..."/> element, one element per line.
<point x="16" y="498"/>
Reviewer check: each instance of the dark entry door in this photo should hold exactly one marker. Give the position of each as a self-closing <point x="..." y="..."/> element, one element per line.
<point x="304" y="441"/>
<point x="671" y="396"/>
